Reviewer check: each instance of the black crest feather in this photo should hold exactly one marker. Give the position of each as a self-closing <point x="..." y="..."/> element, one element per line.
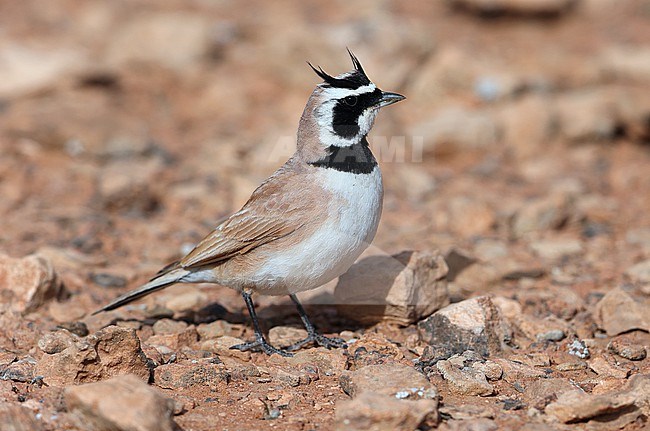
<point x="353" y="80"/>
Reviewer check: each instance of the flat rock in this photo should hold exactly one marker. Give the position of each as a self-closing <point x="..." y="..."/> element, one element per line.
<point x="615" y="409"/>
<point x="617" y="312"/>
<point x="327" y="362"/>
<point x="215" y="329"/>
<point x="186" y="374"/>
<point x="541" y="392"/>
<point x="605" y="366"/>
<point x="122" y="403"/>
<point x="466" y="380"/>
<point x="394" y="379"/>
<point x="222" y="347"/>
<point x="379" y="412"/>
<point x="109" y="352"/>
<point x="174" y="340"/>
<point x="22" y="370"/>
<point x="15" y="417"/>
<point x="627" y="348"/>
<point x="29" y="281"/>
<point x="402" y="288"/>
<point x="474" y="324"/>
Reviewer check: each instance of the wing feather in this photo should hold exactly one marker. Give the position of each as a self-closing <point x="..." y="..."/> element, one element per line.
<point x="266" y="217"/>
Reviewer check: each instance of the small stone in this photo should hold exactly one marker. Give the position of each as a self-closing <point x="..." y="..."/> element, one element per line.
<point x="29" y="282"/>
<point x="380" y="412"/>
<point x="465" y="381"/>
<point x="286" y="335"/>
<point x="294" y="377"/>
<point x="571" y="366"/>
<point x="168" y="326"/>
<point x="474" y="324"/>
<point x="615" y="409"/>
<point x="627" y="349"/>
<point x="109" y="352"/>
<point x="514" y="372"/>
<point x="174" y="340"/>
<point x="125" y="403"/>
<point x="402" y="288"/>
<point x="56" y="342"/>
<point x="492" y="370"/>
<point x="222" y="347"/>
<point x="241" y="370"/>
<point x="618" y="312"/>
<point x="22" y="370"/>
<point x="604" y="368"/>
<point x="578" y="348"/>
<point x="327" y="362"/>
<point x="547" y="329"/>
<point x="215" y="329"/>
<point x="541" y="392"/>
<point x="191" y="299"/>
<point x="187" y="374"/>
<point x="393" y="379"/>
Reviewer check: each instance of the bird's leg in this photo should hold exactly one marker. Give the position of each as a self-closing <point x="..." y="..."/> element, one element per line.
<point x="312" y="335"/>
<point x="260" y="342"/>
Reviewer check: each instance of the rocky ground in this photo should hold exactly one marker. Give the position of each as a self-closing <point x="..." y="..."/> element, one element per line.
<point x="517" y="191"/>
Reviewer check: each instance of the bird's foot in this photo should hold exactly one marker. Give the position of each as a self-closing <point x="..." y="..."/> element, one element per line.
<point x="260" y="345"/>
<point x="319" y="340"/>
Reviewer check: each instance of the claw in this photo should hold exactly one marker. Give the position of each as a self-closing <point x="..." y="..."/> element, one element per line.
<point x="319" y="340"/>
<point x="261" y="346"/>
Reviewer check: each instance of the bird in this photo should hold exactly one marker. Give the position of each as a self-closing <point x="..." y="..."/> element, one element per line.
<point x="308" y="222"/>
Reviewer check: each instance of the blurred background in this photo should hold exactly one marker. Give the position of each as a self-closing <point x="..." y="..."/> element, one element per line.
<point x="127" y="128"/>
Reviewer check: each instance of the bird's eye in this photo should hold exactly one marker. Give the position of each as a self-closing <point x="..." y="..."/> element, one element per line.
<point x="350" y="100"/>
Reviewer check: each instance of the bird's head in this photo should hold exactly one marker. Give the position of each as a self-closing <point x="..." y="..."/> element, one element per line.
<point x="345" y="106"/>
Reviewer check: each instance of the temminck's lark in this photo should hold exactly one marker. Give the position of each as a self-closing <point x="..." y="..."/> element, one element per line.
<point x="309" y="221"/>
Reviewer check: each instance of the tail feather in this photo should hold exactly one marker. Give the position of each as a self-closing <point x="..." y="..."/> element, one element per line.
<point x="159" y="282"/>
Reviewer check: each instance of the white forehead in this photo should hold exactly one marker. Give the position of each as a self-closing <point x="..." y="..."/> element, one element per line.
<point x="339" y="93"/>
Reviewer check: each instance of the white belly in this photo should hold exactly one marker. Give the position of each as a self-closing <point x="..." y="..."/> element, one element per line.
<point x="352" y="223"/>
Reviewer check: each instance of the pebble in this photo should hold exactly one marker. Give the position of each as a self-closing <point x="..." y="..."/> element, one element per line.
<point x="374" y="411"/>
<point x="618" y="312"/>
<point x="394" y="379"/>
<point x="621" y="407"/>
<point x="109" y="352"/>
<point x="578" y="348"/>
<point x="121" y="403"/>
<point x="627" y="349"/>
<point x="465" y="381"/>
<point x="474" y="324"/>
<point x="28" y="282"/>
<point x="187" y="374"/>
<point x="402" y="288"/>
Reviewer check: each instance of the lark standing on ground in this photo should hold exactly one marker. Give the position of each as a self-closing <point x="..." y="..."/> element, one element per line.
<point x="308" y="222"/>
